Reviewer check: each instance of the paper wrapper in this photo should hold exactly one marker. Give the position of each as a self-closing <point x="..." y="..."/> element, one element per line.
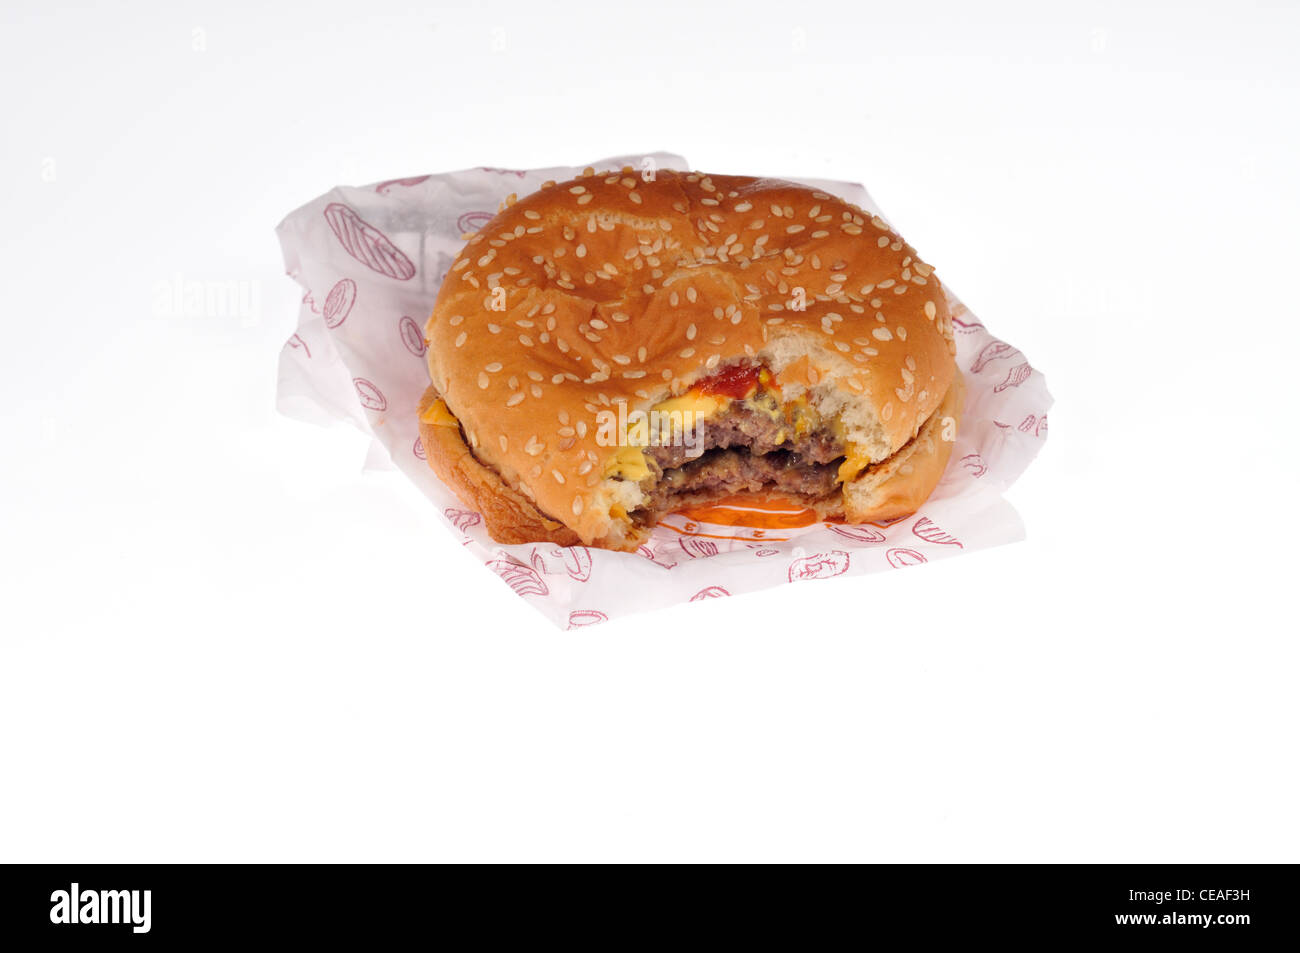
<point x="370" y="261"/>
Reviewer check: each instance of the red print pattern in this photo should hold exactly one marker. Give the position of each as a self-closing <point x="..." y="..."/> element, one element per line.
<point x="898" y="557"/>
<point x="580" y="617"/>
<point x="383" y="187"/>
<point x="372" y="398"/>
<point x="1034" y="425"/>
<point x="338" y="303"/>
<point x="463" y="520"/>
<point x="927" y="530"/>
<point x="412" y="336"/>
<point x="710" y="592"/>
<point x="473" y="221"/>
<point x="367" y="244"/>
<point x="993" y="351"/>
<point x="1015" y="377"/>
<point x="520" y="577"/>
<point x="859" y="534"/>
<point x="698" y="548"/>
<point x="819" y="566"/>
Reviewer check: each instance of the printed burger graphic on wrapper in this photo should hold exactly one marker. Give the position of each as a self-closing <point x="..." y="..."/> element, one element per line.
<point x="368" y="244"/>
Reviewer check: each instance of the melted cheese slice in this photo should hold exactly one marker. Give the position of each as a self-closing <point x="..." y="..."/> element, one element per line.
<point x="855" y="461"/>
<point x="698" y="404"/>
<point x="629" y="463"/>
<point x="438" y="415"/>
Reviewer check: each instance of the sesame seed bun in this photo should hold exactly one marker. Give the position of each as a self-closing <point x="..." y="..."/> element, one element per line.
<point x="612" y="290"/>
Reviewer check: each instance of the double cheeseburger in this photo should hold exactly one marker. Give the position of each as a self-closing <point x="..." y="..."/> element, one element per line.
<point x="609" y="350"/>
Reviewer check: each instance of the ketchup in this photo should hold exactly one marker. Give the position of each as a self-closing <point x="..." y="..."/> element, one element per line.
<point x="736" y="382"/>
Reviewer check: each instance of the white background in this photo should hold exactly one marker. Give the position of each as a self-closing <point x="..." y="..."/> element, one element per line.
<point x="202" y="657"/>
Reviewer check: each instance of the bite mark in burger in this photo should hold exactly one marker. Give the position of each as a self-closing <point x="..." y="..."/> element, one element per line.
<point x="782" y="343"/>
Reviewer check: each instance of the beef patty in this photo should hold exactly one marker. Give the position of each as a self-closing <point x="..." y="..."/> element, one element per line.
<point x="720" y="473"/>
<point x="741" y="451"/>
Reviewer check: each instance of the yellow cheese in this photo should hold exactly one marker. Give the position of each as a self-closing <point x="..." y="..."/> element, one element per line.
<point x="628" y="463"/>
<point x="438" y="415"/>
<point x="697" y="404"/>
<point x="855" y="461"/>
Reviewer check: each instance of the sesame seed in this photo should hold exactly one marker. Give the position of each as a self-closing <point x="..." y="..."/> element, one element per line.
<point x="515" y="398"/>
<point x="881" y="334"/>
<point x="460" y="338"/>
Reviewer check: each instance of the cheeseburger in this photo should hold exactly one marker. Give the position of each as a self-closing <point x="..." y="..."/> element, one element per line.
<point x="610" y="350"/>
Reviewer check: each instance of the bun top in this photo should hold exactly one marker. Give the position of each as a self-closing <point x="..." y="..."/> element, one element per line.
<point x="613" y="289"/>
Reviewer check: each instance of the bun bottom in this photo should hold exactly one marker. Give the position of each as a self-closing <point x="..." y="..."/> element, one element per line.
<point x="510" y="516"/>
<point x="891" y="489"/>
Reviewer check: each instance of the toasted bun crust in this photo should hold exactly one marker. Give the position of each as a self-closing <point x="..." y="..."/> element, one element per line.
<point x="612" y="290"/>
